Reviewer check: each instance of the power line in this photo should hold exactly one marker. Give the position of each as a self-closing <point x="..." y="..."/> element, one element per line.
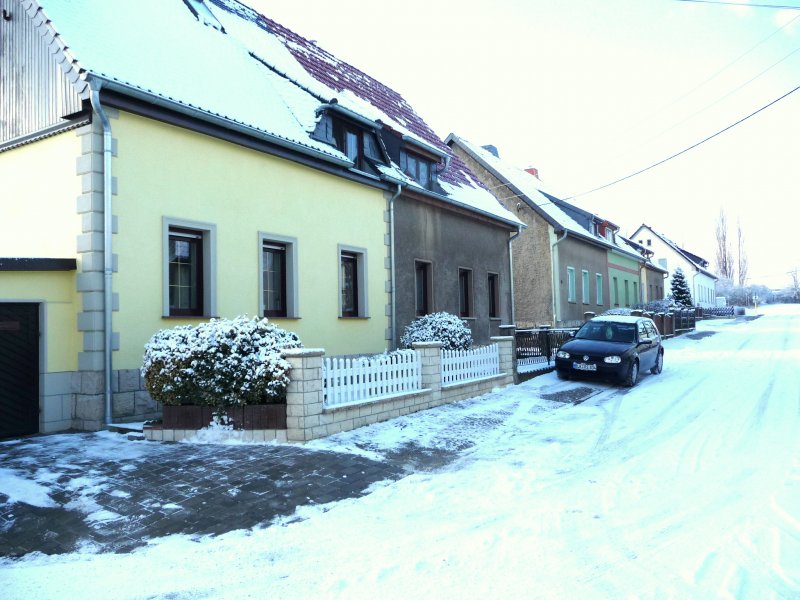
<point x="685" y="150"/>
<point x="744" y="4"/>
<point x="718" y="100"/>
<point x="716" y="74"/>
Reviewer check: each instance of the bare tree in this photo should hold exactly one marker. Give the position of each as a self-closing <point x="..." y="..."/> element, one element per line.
<point x="795" y="275"/>
<point x="724" y="253"/>
<point x="741" y="254"/>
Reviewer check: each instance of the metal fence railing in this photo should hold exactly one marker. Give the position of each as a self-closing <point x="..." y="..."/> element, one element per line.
<point x="717" y="311"/>
<point x="459" y="366"/>
<point x="536" y="348"/>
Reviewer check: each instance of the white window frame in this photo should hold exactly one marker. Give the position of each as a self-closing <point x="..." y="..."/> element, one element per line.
<point x="598" y="281"/>
<point x="585" y="286"/>
<point x="572" y="295"/>
<point x="209" y="233"/>
<point x="292" y="279"/>
<point x="361" y="274"/>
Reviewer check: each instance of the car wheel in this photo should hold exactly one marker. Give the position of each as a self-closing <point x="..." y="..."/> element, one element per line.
<point x="659" y="364"/>
<point x="633" y="374"/>
<point x="562" y="374"/>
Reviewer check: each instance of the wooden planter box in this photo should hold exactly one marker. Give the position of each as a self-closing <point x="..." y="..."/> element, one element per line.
<point x="255" y="416"/>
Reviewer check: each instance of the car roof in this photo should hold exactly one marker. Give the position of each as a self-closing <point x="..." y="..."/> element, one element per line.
<point x="619" y="319"/>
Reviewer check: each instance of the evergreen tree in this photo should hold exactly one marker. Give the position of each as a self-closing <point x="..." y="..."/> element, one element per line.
<point x="681" y="293"/>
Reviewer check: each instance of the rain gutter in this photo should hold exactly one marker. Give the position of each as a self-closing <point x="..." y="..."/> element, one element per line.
<point x="392" y="254"/>
<point x="225" y="122"/>
<point x="511" y="274"/>
<point x="556" y="268"/>
<point x="108" y="258"/>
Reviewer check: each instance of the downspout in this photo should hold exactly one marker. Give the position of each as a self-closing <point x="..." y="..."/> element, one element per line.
<point x="511" y="275"/>
<point x="108" y="259"/>
<point x="392" y="253"/>
<point x="556" y="269"/>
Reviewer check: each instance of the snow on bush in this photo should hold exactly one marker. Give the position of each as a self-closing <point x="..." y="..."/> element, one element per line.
<point x="454" y="333"/>
<point x="222" y="362"/>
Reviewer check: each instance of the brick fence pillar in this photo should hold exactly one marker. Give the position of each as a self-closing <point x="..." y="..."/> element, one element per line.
<point x="508" y="360"/>
<point x="431" y="357"/>
<point x="305" y="395"/>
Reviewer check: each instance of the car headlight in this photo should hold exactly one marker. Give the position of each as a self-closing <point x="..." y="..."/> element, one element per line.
<point x="612" y="359"/>
<point x="562" y="354"/>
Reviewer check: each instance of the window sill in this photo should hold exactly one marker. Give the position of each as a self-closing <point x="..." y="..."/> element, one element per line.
<point x="354" y="318"/>
<point x="185" y="317"/>
<point x="287" y="318"/>
<point x="468" y="318"/>
<point x="495" y="319"/>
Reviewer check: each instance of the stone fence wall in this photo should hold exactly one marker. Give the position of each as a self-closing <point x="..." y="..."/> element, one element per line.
<point x="307" y="418"/>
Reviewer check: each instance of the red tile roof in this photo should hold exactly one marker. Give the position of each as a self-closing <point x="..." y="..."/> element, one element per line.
<point x="341" y="76"/>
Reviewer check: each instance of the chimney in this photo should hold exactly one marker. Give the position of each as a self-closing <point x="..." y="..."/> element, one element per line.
<point x="492" y="149"/>
<point x="533" y="171"/>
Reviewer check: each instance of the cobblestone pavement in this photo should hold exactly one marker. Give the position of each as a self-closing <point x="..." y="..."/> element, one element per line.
<point x="117" y="499"/>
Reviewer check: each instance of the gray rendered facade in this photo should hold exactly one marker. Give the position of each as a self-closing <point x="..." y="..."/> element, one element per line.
<point x="581" y="256"/>
<point x="449" y="241"/>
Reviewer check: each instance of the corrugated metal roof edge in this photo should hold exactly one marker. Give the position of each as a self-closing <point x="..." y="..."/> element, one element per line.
<point x="125" y="88"/>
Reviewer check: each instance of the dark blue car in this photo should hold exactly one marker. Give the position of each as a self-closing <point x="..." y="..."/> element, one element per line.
<point x="613" y="346"/>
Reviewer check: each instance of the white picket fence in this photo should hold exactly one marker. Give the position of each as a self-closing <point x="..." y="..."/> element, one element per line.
<point x="459" y="366"/>
<point x="351" y="381"/>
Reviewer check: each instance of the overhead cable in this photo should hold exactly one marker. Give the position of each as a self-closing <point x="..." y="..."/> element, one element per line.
<point x="685" y="150"/>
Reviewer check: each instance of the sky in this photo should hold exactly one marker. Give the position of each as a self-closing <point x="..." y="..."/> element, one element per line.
<point x="590" y="92"/>
<point x="640" y="493"/>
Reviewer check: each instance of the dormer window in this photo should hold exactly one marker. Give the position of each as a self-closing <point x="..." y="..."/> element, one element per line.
<point x="357" y="143"/>
<point x="418" y="168"/>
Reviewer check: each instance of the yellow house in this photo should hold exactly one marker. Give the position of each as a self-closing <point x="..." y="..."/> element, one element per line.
<point x="153" y="201"/>
<point x="165" y="162"/>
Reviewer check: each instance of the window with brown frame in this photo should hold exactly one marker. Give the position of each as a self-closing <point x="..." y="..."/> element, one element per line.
<point x="494" y="296"/>
<point x="349" y="282"/>
<point x="274" y="279"/>
<point x="185" y="272"/>
<point x="422" y="271"/>
<point x="465" y="292"/>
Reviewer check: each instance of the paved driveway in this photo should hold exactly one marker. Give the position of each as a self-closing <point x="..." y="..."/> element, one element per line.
<point x="118" y="493"/>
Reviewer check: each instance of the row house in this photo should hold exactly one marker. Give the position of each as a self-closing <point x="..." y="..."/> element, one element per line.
<point x="169" y="161"/>
<point x="567" y="261"/>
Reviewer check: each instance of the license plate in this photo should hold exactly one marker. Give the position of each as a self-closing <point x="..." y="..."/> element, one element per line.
<point x="584" y="366"/>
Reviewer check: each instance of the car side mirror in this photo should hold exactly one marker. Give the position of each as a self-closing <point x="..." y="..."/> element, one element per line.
<point x="572" y="334"/>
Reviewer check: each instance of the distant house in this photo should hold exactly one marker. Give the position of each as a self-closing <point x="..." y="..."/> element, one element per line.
<point x="651" y="276"/>
<point x="568" y="261"/>
<point x="150" y="183"/>
<point x="669" y="256"/>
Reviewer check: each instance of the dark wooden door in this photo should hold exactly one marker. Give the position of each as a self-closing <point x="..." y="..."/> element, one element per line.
<point x="19" y="369"/>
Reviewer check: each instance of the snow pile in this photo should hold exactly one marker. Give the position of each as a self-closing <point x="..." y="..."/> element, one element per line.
<point x="222" y="362"/>
<point x="453" y="332"/>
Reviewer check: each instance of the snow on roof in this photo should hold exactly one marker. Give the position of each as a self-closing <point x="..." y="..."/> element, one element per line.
<point x="528" y="185"/>
<point x="697" y="261"/>
<point x="253" y="72"/>
<point x="132" y="44"/>
<point x="537" y="196"/>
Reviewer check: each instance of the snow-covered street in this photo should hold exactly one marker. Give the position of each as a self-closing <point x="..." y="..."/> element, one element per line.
<point x="685" y="486"/>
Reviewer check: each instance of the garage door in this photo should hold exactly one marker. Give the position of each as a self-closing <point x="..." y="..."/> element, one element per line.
<point x="19" y="369"/>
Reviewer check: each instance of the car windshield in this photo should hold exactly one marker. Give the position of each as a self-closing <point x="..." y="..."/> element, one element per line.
<point x="607" y="332"/>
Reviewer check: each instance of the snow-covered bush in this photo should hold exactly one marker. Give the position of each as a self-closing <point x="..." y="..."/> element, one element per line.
<point x="454" y="333"/>
<point x="219" y="363"/>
